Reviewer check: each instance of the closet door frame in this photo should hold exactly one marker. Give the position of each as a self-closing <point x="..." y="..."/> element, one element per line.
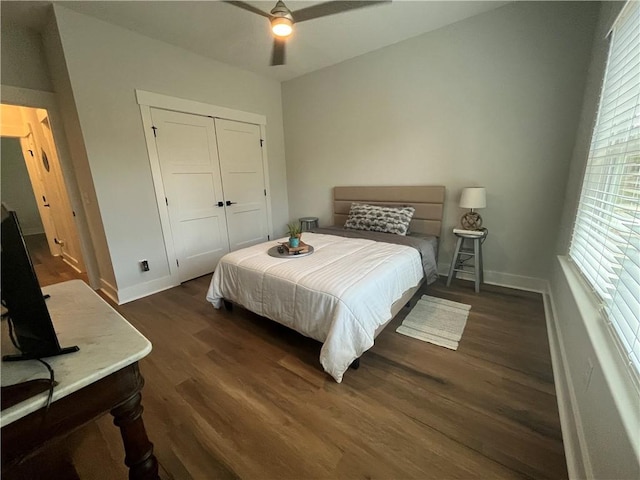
<point x="147" y="100"/>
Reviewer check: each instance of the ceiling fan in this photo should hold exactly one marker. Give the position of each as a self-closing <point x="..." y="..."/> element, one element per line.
<point x="282" y="19"/>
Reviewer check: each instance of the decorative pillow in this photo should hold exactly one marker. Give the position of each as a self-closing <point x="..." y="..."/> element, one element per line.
<point x="377" y="218"/>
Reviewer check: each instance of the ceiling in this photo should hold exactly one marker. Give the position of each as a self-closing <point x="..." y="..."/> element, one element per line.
<point x="237" y="37"/>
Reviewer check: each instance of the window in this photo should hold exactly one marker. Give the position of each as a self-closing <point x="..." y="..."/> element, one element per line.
<point x="606" y="237"/>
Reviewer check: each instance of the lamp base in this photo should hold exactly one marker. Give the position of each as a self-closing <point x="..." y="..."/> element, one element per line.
<point x="471" y="221"/>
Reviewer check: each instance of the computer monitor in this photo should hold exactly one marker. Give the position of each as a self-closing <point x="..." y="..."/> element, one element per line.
<point x="21" y="295"/>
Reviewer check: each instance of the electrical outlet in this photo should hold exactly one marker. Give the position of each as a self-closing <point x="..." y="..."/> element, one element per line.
<point x="586" y="374"/>
<point x="144" y="265"/>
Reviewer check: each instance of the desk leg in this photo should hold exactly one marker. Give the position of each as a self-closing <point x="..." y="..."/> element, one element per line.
<point x="138" y="449"/>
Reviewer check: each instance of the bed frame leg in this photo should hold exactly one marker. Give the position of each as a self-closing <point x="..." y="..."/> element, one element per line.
<point x="355" y="364"/>
<point x="228" y="306"/>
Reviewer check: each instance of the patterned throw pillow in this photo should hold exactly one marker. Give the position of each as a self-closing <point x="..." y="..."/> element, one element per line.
<point x="376" y="218"/>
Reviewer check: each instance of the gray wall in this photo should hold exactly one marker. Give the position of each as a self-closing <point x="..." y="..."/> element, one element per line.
<point x="22" y="59"/>
<point x="16" y="186"/>
<point x="25" y="66"/>
<point x="105" y="65"/>
<point x="493" y="100"/>
<point x="602" y="407"/>
<point x="99" y="261"/>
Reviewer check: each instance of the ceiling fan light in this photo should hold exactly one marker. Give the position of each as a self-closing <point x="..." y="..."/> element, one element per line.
<point x="281" y="26"/>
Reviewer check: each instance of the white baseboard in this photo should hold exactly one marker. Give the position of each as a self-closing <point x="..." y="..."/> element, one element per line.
<point x="519" y="282"/>
<point x="69" y="261"/>
<point x="605" y="400"/>
<point x="109" y="290"/>
<point x="577" y="458"/>
<point x="140" y="290"/>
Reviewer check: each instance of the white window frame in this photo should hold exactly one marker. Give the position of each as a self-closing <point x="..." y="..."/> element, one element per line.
<point x="601" y="249"/>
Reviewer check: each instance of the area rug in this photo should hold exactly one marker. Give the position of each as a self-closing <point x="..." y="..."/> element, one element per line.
<point x="437" y="321"/>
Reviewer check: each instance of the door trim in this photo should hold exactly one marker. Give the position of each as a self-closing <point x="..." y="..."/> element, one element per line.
<point x="156" y="175"/>
<point x="176" y="104"/>
<point x="265" y="172"/>
<point x="146" y="101"/>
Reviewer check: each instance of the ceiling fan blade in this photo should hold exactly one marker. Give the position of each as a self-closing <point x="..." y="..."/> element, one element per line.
<point x="277" y="55"/>
<point x="331" y="8"/>
<point x="248" y="7"/>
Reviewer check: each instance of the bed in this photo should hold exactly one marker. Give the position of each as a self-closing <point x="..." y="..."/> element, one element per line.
<point x="351" y="286"/>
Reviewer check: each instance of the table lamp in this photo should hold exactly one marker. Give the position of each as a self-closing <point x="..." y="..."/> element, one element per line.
<point x="472" y="198"/>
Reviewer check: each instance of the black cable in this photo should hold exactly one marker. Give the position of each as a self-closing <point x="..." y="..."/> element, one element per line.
<point x="51" y="382"/>
<point x="486" y="234"/>
<point x="51" y="372"/>
<point x="11" y="336"/>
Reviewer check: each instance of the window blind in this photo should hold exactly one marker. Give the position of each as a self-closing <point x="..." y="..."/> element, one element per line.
<point x="605" y="244"/>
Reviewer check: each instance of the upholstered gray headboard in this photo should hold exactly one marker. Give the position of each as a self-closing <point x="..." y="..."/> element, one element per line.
<point x="426" y="199"/>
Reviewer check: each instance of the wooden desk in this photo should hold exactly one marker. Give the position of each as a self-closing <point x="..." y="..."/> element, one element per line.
<point x="103" y="376"/>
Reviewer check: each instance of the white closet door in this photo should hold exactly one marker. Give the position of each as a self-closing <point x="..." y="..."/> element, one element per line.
<point x="242" y="170"/>
<point x="189" y="163"/>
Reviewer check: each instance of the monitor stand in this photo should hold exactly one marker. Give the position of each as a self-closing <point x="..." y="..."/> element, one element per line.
<point x="18" y="357"/>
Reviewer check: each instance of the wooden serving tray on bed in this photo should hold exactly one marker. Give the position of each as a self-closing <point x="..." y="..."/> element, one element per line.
<point x="301" y="248"/>
<point x="282" y="250"/>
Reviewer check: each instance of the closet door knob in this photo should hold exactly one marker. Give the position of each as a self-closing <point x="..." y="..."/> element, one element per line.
<point x="221" y="204"/>
<point x="230" y="203"/>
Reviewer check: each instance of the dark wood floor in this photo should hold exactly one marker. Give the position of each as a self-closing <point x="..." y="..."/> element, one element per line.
<point x="232" y="395"/>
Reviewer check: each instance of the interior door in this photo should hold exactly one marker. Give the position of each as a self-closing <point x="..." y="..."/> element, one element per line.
<point x="48" y="169"/>
<point x="240" y="150"/>
<point x="29" y="152"/>
<point x="189" y="163"/>
<point x="62" y="212"/>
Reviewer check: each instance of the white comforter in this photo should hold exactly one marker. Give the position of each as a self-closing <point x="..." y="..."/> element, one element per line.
<point x="339" y="295"/>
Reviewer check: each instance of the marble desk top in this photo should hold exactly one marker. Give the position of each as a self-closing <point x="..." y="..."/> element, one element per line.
<point x="80" y="317"/>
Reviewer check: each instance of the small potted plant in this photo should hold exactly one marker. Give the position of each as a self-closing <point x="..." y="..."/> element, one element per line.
<point x="295" y="232"/>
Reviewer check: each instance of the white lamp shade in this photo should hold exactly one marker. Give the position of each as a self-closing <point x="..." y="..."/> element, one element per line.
<point x="473" y="197"/>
